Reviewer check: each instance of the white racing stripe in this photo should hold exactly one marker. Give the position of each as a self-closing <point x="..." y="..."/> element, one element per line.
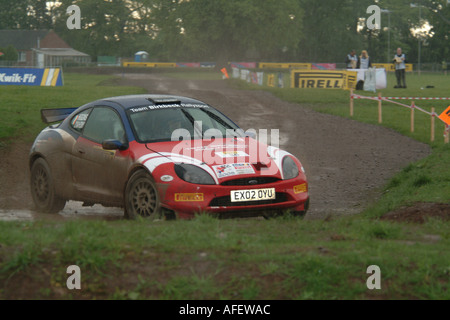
<point x="153" y="161"/>
<point x="277" y="155"/>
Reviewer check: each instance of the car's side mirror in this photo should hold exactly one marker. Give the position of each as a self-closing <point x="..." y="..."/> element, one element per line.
<point x="112" y="144"/>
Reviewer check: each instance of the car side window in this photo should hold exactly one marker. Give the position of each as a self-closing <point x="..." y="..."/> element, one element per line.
<point x="103" y="124"/>
<point x="79" y="120"/>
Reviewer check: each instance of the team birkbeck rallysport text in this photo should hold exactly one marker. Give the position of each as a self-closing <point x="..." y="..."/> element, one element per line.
<point x="233" y="309"/>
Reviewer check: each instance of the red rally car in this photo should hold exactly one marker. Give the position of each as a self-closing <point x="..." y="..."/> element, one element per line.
<point x="161" y="156"/>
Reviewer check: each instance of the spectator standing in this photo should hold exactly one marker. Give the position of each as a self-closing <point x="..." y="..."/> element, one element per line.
<point x="400" y="60"/>
<point x="364" y="61"/>
<point x="351" y="60"/>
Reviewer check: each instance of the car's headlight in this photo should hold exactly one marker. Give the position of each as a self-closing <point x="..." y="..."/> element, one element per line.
<point x="290" y="169"/>
<point x="193" y="174"/>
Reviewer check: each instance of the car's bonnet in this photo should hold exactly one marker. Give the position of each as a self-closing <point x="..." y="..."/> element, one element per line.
<point x="222" y="158"/>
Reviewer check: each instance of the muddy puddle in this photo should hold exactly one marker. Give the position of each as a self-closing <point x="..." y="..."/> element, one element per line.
<point x="73" y="211"/>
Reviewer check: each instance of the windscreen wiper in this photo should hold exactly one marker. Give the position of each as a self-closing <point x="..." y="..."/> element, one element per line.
<point x="197" y="130"/>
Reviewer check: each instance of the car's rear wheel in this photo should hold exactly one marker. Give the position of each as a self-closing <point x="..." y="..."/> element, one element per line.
<point x="141" y="197"/>
<point x="43" y="188"/>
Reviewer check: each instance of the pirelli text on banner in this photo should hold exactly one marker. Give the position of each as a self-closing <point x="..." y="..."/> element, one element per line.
<point x="325" y="79"/>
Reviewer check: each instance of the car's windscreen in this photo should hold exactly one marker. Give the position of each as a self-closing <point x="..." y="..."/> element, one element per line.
<point x="159" y="123"/>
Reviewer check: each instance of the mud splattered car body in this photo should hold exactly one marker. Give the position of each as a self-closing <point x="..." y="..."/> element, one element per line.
<point x="154" y="154"/>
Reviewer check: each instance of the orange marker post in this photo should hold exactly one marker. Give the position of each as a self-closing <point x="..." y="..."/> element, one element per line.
<point x="225" y="73"/>
<point x="445" y="116"/>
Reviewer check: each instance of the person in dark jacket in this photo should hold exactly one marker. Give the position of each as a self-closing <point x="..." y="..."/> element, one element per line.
<point x="352" y="60"/>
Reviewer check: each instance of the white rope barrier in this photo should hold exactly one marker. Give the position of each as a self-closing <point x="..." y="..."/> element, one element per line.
<point x="413" y="107"/>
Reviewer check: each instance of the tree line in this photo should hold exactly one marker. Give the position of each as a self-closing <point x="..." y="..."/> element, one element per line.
<point x="242" y="30"/>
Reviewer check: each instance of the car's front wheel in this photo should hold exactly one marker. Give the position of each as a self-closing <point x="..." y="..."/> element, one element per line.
<point x="43" y="188"/>
<point x="141" y="197"/>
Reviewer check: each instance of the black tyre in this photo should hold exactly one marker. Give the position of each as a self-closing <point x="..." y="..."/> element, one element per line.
<point x="141" y="197"/>
<point x="43" y="188"/>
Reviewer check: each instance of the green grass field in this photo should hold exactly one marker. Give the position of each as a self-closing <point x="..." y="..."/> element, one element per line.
<point x="206" y="258"/>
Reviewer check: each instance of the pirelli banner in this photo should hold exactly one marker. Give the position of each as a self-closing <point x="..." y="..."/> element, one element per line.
<point x="48" y="77"/>
<point x="323" y="79"/>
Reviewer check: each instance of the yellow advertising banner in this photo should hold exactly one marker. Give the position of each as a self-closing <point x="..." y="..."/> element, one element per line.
<point x="150" y="64"/>
<point x="271" y="80"/>
<point x="391" y="66"/>
<point x="274" y="65"/>
<point x="323" y="79"/>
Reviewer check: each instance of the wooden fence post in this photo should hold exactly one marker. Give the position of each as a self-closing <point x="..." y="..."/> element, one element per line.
<point x="351" y="102"/>
<point x="432" y="124"/>
<point x="412" y="116"/>
<point x="380" y="112"/>
<point x="447" y="134"/>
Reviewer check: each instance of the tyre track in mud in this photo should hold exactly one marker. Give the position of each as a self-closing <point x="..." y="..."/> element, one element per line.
<point x="346" y="162"/>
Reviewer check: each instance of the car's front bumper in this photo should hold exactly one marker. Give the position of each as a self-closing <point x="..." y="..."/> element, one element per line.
<point x="187" y="199"/>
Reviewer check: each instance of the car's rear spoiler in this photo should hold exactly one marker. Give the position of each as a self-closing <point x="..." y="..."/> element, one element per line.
<point x="55" y="115"/>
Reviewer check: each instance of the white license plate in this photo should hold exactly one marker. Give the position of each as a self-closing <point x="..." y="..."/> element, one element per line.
<point x="253" y="195"/>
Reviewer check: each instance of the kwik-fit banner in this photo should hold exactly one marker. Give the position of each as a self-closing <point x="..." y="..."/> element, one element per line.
<point x="31" y="77"/>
